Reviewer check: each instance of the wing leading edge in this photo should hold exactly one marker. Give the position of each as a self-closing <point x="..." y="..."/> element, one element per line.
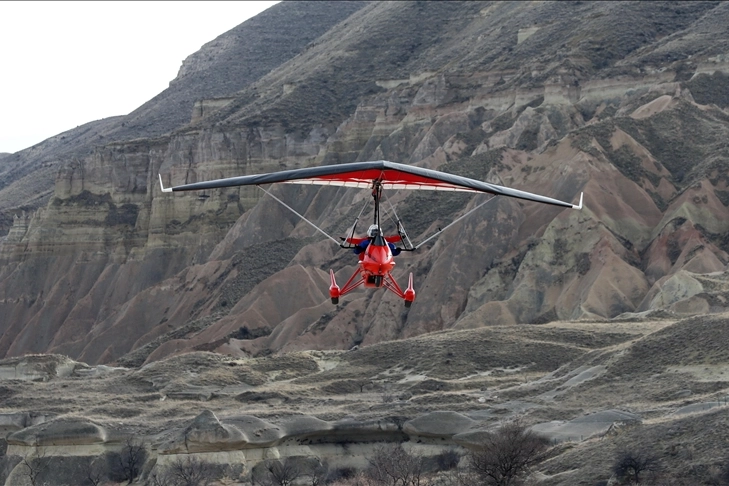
<point x="362" y="174"/>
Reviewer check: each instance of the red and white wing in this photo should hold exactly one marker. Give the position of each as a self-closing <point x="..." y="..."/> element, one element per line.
<point x="391" y="175"/>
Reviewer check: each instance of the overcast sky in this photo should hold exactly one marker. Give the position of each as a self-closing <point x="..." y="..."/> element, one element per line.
<point x="63" y="64"/>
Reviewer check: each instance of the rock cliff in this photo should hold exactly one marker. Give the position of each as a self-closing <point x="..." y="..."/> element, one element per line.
<point x="219" y="69"/>
<point x="627" y="105"/>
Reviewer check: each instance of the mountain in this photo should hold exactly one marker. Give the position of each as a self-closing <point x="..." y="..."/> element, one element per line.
<point x="624" y="101"/>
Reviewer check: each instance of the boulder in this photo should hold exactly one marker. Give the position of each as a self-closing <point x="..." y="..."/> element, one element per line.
<point x="438" y="424"/>
<point x="204" y="434"/>
<point x="66" y="431"/>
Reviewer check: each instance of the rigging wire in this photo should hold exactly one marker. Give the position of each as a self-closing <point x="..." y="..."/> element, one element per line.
<point x="413" y="247"/>
<point x="299" y="215"/>
<point x="400" y="228"/>
<point x="354" y="226"/>
<point x="440" y="230"/>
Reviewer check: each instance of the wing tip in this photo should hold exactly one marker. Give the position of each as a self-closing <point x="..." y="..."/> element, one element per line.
<point x="578" y="206"/>
<point x="162" y="186"/>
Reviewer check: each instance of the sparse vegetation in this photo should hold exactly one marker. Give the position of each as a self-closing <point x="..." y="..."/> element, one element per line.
<point x="137" y="357"/>
<point x="126" y="465"/>
<point x="244" y="333"/>
<point x="280" y="473"/>
<point x="448" y="460"/>
<point x="93" y="471"/>
<point x="504" y="456"/>
<point x="710" y="88"/>
<point x="316" y="472"/>
<point x="393" y="466"/>
<point x="35" y="465"/>
<point x="634" y="466"/>
<point x="341" y="475"/>
<point x="187" y="472"/>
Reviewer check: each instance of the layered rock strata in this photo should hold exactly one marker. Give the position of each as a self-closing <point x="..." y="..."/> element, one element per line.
<point x="113" y="269"/>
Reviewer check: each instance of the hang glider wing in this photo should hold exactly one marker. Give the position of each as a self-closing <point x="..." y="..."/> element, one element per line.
<point x="363" y="174"/>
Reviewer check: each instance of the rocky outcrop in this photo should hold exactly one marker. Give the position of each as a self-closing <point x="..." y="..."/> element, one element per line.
<point x="40" y="367"/>
<point x="61" y="432"/>
<point x="206" y="434"/>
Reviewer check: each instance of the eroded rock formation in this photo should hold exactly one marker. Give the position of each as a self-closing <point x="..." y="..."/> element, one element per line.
<point x="111" y="269"/>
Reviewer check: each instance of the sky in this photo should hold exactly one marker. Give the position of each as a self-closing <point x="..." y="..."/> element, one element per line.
<point x="63" y="64"/>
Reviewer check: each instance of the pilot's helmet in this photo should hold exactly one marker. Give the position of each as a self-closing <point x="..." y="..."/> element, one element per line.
<point x="372" y="231"/>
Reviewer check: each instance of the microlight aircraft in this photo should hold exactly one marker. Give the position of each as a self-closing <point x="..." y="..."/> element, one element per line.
<point x="376" y="260"/>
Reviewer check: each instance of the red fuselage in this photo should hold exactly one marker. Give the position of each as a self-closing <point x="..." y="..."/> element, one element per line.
<point x="376" y="261"/>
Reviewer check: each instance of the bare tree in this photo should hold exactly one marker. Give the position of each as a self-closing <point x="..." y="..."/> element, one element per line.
<point x="504" y="457"/>
<point x="393" y="466"/>
<point x="280" y="473"/>
<point x="317" y="471"/>
<point x="35" y="465"/>
<point x="160" y="479"/>
<point x="127" y="464"/>
<point x="191" y="472"/>
<point x="359" y="479"/>
<point x="448" y="460"/>
<point x="632" y="466"/>
<point x="93" y="472"/>
<point x="457" y="477"/>
<point x="340" y="475"/>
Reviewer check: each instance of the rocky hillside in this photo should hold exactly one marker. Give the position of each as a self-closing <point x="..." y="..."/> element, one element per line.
<point x="625" y="102"/>
<point x="656" y="389"/>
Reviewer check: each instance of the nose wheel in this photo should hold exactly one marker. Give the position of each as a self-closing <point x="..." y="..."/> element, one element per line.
<point x="375" y="280"/>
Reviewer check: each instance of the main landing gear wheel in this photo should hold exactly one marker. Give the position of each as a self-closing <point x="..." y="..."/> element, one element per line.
<point x="408" y="303"/>
<point x="335" y="300"/>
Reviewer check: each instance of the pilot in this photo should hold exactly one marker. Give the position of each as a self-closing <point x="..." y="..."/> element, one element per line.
<point x="372" y="232"/>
